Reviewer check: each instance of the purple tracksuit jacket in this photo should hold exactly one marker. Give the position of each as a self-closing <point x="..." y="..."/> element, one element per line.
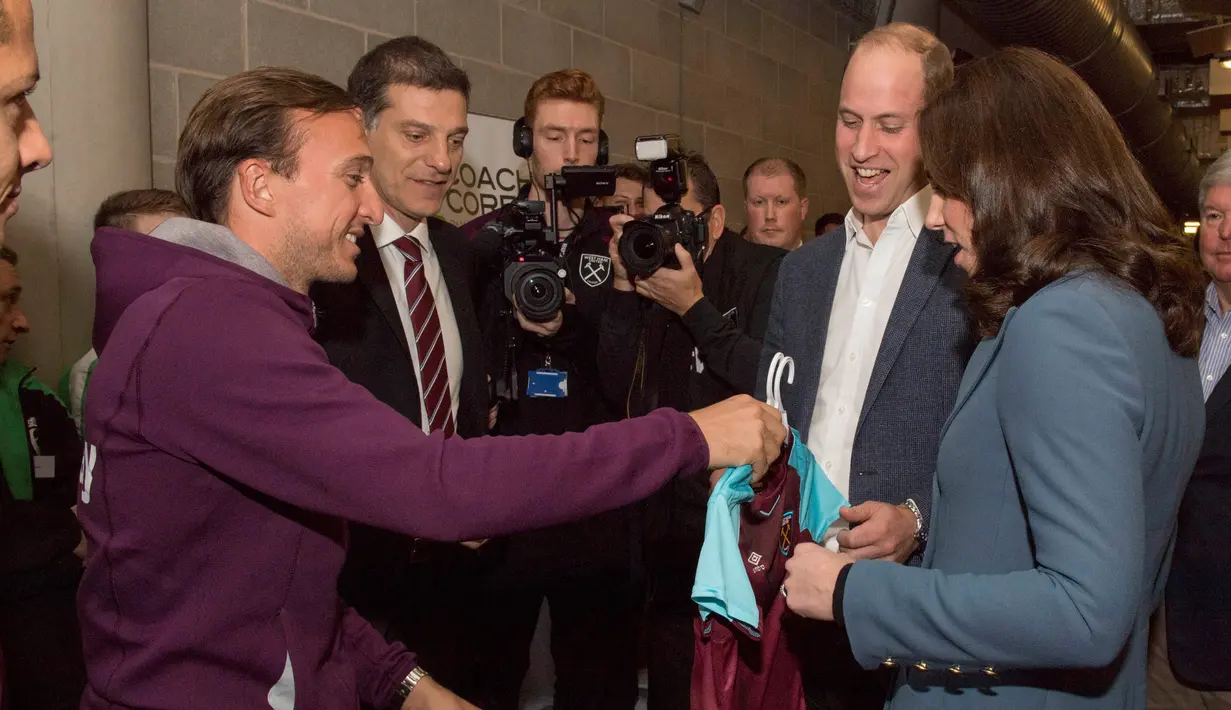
<point x="224" y="455"/>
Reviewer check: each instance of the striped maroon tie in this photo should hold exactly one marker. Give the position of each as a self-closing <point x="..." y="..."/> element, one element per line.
<point x="429" y="343"/>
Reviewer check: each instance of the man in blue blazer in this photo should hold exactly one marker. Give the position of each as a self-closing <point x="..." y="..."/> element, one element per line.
<point x="872" y="316"/>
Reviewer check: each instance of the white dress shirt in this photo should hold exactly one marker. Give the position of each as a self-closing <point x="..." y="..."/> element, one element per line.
<point x="385" y="234"/>
<point x="868" y="284"/>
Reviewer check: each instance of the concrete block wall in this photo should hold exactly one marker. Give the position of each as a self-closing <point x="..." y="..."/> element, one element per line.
<point x="741" y="80"/>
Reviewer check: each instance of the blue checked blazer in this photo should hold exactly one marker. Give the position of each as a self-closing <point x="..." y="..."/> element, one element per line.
<point x="916" y="374"/>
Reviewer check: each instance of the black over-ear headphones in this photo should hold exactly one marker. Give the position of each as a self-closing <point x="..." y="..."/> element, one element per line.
<point x="523" y="142"/>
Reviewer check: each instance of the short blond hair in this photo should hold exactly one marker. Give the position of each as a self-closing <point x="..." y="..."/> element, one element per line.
<point x="937" y="62"/>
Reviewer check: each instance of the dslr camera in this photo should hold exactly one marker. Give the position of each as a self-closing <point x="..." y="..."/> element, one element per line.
<point x="649" y="244"/>
<point x="533" y="273"/>
<point x="531" y="252"/>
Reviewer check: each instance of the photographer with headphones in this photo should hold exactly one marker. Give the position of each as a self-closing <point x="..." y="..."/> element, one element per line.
<point x="683" y="329"/>
<point x="545" y="376"/>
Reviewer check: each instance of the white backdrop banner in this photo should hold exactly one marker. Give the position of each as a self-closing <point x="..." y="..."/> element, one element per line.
<point x="490" y="175"/>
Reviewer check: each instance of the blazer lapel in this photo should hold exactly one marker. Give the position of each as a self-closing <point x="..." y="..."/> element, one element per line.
<point x="376" y="282"/>
<point x="456" y="266"/>
<point x="929" y="259"/>
<point x="1219" y="397"/>
<point x="815" y="304"/>
<point x="984" y="355"/>
<point x="451" y="269"/>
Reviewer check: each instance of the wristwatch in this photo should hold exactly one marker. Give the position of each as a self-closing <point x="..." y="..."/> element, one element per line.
<point x="921" y="534"/>
<point x="408" y="683"/>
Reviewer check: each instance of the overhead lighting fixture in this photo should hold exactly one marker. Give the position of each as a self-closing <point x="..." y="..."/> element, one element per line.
<point x="1226" y="63"/>
<point x="1190" y="228"/>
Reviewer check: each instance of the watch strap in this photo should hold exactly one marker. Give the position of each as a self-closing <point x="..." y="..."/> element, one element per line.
<point x="407" y="685"/>
<point x="921" y="533"/>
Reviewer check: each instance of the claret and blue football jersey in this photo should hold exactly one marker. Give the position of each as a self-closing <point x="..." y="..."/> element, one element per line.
<point x="742" y="660"/>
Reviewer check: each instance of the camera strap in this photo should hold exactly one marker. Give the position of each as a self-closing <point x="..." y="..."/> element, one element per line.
<point x="506" y="381"/>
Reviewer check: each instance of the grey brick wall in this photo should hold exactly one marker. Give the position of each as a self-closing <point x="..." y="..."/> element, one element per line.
<point x="758" y="77"/>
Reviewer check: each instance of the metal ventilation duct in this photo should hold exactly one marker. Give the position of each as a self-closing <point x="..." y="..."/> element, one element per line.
<point x="1097" y="39"/>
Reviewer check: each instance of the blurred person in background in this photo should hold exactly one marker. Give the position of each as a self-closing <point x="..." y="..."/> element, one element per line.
<point x="40" y="540"/>
<point x="775" y="201"/>
<point x="631" y="180"/>
<point x="1190" y="641"/>
<point x="140" y="211"/>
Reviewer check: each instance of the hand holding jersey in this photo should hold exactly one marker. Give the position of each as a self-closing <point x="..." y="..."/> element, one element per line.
<point x="741" y="431"/>
<point x="879" y="531"/>
<point x="811" y="576"/>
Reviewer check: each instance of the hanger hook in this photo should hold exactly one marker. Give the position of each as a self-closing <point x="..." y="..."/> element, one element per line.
<point x="773" y="385"/>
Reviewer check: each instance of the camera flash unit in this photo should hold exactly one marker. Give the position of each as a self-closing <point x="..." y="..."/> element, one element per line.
<point x="659" y="147"/>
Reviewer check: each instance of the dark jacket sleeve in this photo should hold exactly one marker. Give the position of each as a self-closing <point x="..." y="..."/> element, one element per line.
<point x="734" y="354"/>
<point x="283" y="421"/>
<point x="35" y="533"/>
<point x="57" y="436"/>
<point x="620" y="336"/>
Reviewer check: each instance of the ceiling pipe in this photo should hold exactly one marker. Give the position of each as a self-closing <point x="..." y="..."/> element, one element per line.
<point x="1097" y="39"/>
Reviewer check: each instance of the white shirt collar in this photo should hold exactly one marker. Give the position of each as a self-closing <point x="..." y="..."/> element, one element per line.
<point x="913" y="213"/>
<point x="389" y="231"/>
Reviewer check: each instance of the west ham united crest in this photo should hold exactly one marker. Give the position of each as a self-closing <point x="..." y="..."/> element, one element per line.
<point x="784" y="535"/>
<point x="594" y="269"/>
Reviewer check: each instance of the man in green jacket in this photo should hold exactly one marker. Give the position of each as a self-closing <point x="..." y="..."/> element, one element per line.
<point x="40" y="453"/>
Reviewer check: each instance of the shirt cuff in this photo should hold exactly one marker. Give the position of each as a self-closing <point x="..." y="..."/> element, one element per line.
<point x="839" y="591"/>
<point x="702" y="319"/>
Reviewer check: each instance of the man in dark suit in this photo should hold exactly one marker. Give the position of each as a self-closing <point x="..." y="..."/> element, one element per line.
<point x="1190" y="647"/>
<point x="413" y="288"/>
<point x="872" y="316"/>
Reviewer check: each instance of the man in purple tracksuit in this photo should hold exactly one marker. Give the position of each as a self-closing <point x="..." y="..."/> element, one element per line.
<point x="224" y="454"/>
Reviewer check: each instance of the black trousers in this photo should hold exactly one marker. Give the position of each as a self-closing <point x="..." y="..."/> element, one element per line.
<point x="41" y="641"/>
<point x="833" y="680"/>
<point x="593" y="640"/>
<point x="432" y="610"/>
<point x="669" y="633"/>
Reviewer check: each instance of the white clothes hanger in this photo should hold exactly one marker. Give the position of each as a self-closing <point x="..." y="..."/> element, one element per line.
<point x="773" y="382"/>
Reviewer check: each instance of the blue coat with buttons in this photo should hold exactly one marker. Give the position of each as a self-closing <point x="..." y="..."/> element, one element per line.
<point x="1054" y="513"/>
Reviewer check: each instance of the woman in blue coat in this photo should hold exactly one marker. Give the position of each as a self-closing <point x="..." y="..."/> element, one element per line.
<point x="1077" y="423"/>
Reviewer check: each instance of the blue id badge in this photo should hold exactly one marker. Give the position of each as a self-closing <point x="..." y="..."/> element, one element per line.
<point x="547" y="383"/>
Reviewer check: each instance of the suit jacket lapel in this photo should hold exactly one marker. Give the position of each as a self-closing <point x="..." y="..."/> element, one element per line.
<point x="376" y="282"/>
<point x="815" y="305"/>
<point x="1219" y="397"/>
<point x="929" y="259"/>
<point x="977" y="368"/>
<point x="451" y="269"/>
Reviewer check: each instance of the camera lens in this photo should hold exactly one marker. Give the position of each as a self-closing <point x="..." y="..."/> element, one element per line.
<point x="537" y="290"/>
<point x="645" y="245"/>
<point x="642" y="248"/>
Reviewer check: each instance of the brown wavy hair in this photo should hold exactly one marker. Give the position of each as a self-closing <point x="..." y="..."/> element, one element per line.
<point x="1053" y="188"/>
